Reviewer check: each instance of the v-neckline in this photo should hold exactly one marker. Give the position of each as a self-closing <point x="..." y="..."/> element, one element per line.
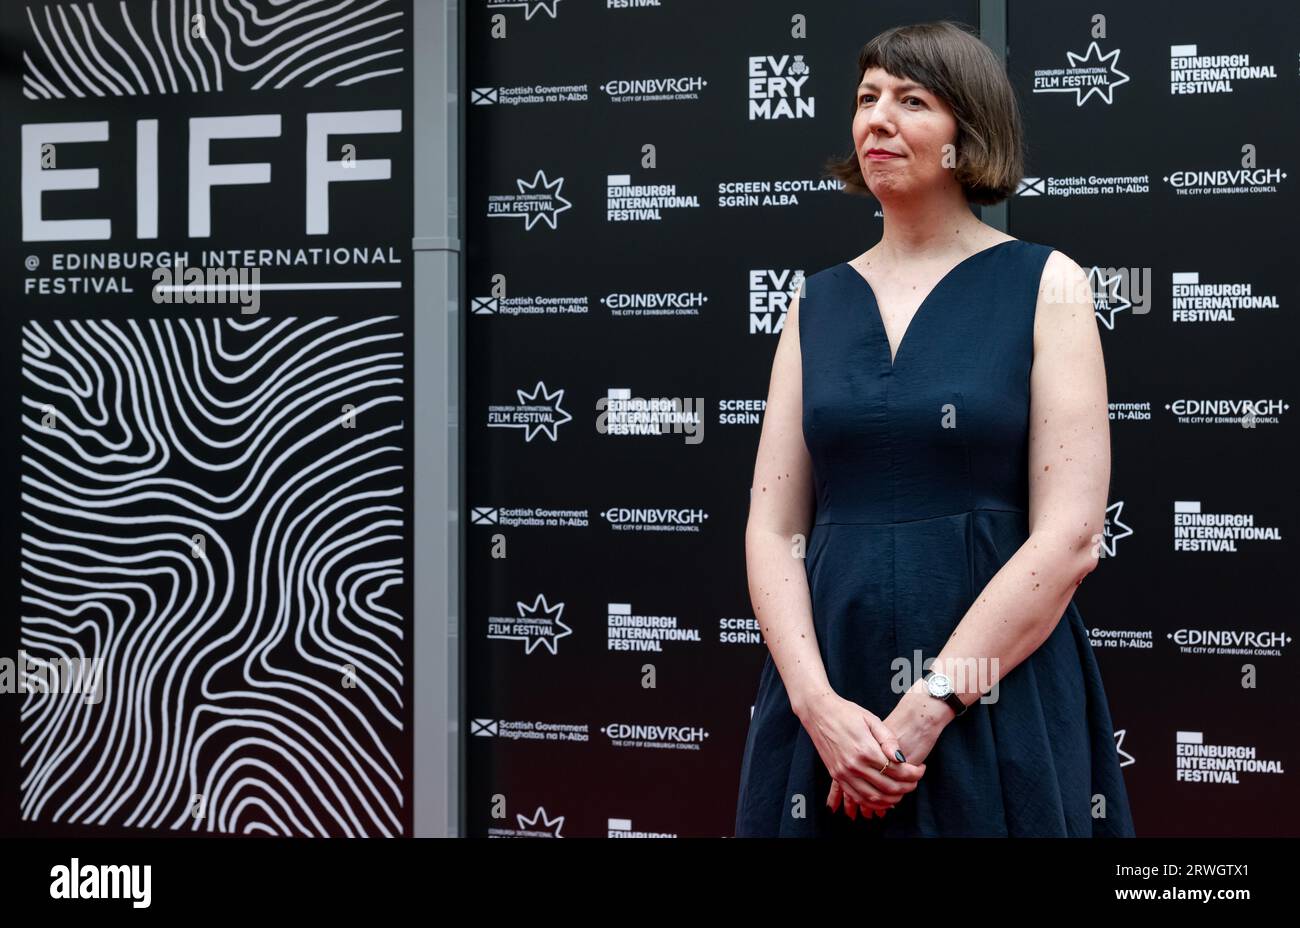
<point x="880" y="319"/>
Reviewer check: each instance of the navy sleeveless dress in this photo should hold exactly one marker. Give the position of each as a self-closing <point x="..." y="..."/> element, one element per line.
<point x="912" y="520"/>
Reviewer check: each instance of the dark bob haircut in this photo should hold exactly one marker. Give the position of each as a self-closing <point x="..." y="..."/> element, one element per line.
<point x="952" y="63"/>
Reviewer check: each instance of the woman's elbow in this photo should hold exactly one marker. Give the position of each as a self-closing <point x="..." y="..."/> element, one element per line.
<point x="1073" y="554"/>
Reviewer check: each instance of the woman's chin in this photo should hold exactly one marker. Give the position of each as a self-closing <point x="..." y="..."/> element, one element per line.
<point x="883" y="187"/>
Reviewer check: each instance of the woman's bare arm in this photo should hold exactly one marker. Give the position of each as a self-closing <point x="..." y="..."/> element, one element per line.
<point x="1069" y="478"/>
<point x="781" y="507"/>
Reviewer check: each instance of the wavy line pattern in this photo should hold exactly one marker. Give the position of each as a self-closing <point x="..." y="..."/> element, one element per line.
<point x="203" y="512"/>
<point x="204" y="46"/>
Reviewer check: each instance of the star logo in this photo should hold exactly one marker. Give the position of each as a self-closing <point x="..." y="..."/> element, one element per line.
<point x="1112" y="524"/>
<point x="532" y="7"/>
<point x="1092" y="72"/>
<point x="538" y="624"/>
<point x="538" y="411"/>
<point x="546" y="824"/>
<point x="1106" y="297"/>
<point x="1125" y="758"/>
<point x="543" y="200"/>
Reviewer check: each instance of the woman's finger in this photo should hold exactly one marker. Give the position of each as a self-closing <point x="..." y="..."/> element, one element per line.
<point x="860" y="793"/>
<point x="868" y="785"/>
<point x="868" y="804"/>
<point x="886" y="739"/>
<point x="835" y="797"/>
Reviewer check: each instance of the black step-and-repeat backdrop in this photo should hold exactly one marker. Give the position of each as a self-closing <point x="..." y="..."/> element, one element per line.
<point x="207" y="306"/>
<point x="1161" y="160"/>
<point x="644" y="192"/>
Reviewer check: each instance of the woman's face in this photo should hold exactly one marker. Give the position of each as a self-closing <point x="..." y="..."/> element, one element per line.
<point x="899" y="116"/>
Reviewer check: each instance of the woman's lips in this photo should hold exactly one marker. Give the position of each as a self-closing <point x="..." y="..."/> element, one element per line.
<point x="881" y="155"/>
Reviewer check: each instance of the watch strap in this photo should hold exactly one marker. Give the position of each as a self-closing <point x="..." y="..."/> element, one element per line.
<point x="957" y="705"/>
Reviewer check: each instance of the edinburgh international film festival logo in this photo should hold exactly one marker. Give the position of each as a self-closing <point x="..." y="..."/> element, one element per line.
<point x="1085" y="75"/>
<point x="536" y="625"/>
<point x="536" y="200"/>
<point x="538" y="412"/>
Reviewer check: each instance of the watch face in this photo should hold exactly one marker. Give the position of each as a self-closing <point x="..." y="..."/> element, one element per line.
<point x="939" y="685"/>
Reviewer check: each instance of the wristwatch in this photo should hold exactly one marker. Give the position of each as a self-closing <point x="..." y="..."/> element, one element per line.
<point x="940" y="687"/>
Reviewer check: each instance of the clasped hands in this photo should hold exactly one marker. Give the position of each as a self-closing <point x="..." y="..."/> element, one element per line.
<point x="854" y="744"/>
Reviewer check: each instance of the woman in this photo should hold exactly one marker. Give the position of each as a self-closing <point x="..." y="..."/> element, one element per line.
<point x="936" y="435"/>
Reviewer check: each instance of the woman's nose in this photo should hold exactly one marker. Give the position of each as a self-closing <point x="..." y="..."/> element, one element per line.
<point x="879" y="117"/>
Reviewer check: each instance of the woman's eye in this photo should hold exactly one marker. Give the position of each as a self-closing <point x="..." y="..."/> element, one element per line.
<point x="867" y="96"/>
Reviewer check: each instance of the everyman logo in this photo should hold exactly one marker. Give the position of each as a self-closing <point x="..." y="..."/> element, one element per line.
<point x="106" y="881"/>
